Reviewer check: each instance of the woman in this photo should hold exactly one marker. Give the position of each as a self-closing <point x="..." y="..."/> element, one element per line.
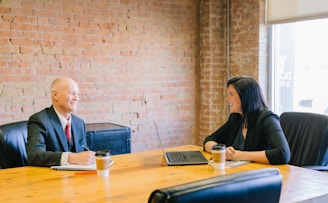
<point x="252" y="132"/>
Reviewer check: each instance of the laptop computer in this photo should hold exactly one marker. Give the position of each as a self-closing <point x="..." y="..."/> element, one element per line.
<point x="176" y="158"/>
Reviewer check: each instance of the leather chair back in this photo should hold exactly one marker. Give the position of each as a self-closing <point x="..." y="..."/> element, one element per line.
<point x="254" y="186"/>
<point x="13" y="137"/>
<point x="307" y="135"/>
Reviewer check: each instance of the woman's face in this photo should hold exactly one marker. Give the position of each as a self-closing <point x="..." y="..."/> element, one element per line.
<point x="233" y="100"/>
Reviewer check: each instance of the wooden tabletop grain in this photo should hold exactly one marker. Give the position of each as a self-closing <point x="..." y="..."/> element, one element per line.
<point x="134" y="176"/>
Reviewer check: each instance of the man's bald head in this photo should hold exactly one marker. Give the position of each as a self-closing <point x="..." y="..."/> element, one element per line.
<point x="65" y="95"/>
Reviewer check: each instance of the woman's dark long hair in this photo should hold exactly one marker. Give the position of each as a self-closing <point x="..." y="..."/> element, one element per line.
<point x="250" y="93"/>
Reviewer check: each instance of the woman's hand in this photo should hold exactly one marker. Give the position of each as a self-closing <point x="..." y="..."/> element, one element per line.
<point x="237" y="155"/>
<point x="208" y="146"/>
<point x="231" y="153"/>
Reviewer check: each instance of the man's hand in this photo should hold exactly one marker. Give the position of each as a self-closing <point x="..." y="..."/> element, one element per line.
<point x="82" y="158"/>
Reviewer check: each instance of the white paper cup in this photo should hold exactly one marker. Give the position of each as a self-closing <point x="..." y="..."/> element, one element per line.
<point x="218" y="156"/>
<point x="103" y="163"/>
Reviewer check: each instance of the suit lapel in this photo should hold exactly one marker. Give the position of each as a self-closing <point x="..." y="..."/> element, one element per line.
<point x="75" y="133"/>
<point x="58" y="128"/>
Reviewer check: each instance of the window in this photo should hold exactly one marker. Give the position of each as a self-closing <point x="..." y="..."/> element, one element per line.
<point x="300" y="67"/>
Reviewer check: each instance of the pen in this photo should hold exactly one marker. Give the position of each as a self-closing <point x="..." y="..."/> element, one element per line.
<point x="85" y="148"/>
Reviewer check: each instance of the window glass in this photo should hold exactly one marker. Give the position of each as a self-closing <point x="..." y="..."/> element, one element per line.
<point x="300" y="67"/>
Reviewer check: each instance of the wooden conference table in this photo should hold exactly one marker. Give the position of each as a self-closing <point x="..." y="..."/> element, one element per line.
<point x="134" y="176"/>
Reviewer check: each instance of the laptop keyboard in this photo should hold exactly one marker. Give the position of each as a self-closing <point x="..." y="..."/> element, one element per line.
<point x="177" y="157"/>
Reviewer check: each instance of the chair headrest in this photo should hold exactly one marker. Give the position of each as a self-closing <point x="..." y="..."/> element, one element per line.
<point x="262" y="185"/>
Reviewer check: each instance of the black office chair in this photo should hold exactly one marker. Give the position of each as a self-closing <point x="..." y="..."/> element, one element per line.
<point x="256" y="186"/>
<point x="13" y="137"/>
<point x="307" y="135"/>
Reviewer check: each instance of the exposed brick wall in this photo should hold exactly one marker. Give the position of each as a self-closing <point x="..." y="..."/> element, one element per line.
<point x="244" y="49"/>
<point x="134" y="60"/>
<point x="213" y="74"/>
<point x="243" y="34"/>
<point x="249" y="40"/>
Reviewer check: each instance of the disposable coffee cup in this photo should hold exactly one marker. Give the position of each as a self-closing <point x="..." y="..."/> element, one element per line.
<point x="218" y="156"/>
<point x="103" y="163"/>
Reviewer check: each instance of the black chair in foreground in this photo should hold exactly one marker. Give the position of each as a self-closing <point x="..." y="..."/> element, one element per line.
<point x="13" y="137"/>
<point x="307" y="135"/>
<point x="256" y="186"/>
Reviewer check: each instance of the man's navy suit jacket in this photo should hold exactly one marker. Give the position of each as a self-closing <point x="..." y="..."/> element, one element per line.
<point x="46" y="138"/>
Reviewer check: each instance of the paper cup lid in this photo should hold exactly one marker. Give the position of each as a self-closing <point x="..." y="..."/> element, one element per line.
<point x="219" y="147"/>
<point x="103" y="153"/>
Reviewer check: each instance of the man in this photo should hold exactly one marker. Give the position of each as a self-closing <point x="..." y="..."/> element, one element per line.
<point x="47" y="143"/>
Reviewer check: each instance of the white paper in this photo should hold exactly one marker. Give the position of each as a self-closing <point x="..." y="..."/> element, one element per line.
<point x="233" y="164"/>
<point x="76" y="167"/>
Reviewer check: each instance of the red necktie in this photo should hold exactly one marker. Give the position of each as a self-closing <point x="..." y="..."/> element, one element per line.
<point x="68" y="131"/>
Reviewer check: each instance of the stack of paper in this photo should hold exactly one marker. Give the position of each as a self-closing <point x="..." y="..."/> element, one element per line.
<point x="76" y="167"/>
